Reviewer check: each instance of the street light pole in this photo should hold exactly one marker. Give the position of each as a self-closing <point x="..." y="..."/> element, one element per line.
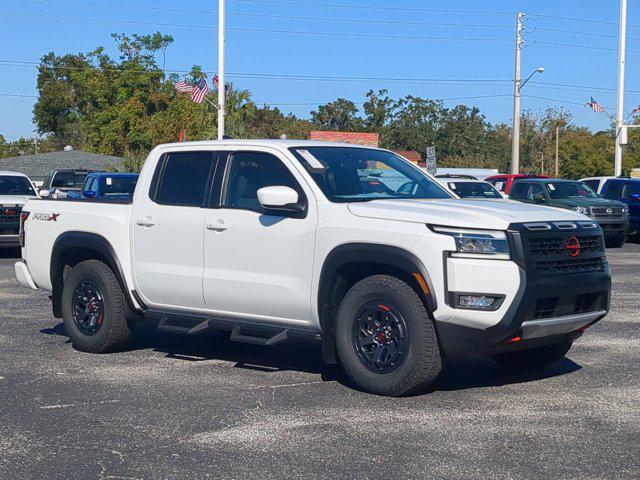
<point x="515" y="147"/>
<point x="621" y="63"/>
<point x="221" y="80"/>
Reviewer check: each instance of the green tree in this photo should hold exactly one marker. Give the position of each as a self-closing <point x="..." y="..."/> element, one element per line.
<point x="340" y="115"/>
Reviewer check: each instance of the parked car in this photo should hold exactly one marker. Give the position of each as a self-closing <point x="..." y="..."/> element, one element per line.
<point x="503" y="182"/>
<point x="627" y="191"/>
<point x="465" y="188"/>
<point x="107" y="186"/>
<point x="15" y="190"/>
<point x="611" y="215"/>
<point x="596" y="183"/>
<point x="60" y="182"/>
<point x="275" y="239"/>
<point x="456" y="175"/>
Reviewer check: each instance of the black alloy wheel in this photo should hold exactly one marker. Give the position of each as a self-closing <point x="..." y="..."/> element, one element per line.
<point x="87" y="307"/>
<point x="380" y="337"/>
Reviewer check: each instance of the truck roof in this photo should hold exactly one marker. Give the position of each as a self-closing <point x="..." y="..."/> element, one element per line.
<point x="276" y="143"/>
<point x="12" y="174"/>
<point x="545" y="180"/>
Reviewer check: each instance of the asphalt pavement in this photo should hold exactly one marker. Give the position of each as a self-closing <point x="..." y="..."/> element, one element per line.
<point x="175" y="407"/>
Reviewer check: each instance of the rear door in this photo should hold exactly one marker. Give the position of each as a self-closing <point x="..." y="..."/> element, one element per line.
<point x="168" y="223"/>
<point x="259" y="264"/>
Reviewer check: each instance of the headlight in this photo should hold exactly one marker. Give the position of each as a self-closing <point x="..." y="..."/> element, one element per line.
<point x="582" y="210"/>
<point x="625" y="209"/>
<point x="478" y="242"/>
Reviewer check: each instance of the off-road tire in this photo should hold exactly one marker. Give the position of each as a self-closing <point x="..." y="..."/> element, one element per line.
<point x="422" y="361"/>
<point x="115" y="332"/>
<point x="533" y="358"/>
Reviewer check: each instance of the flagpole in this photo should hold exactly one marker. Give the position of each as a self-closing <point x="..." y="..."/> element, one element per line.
<point x="221" y="80"/>
<point x="621" y="65"/>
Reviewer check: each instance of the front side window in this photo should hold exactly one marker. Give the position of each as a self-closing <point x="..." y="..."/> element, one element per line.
<point x="559" y="190"/>
<point x="613" y="190"/>
<point x="474" y="190"/>
<point x="593" y="184"/>
<point x="535" y="192"/>
<point x="519" y="191"/>
<point x="14" y="185"/>
<point x="183" y="179"/>
<point x="251" y="171"/>
<point x="348" y="174"/>
<point x="631" y="188"/>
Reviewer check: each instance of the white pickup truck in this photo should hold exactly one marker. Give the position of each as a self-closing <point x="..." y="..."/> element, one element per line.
<point x="355" y="246"/>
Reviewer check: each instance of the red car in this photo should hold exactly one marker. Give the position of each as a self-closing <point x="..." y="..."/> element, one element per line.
<point x="503" y="182"/>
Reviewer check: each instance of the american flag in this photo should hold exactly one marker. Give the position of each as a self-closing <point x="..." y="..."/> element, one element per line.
<point x="183" y="87"/>
<point x="216" y="83"/>
<point x="595" y="106"/>
<point x="200" y="89"/>
<point x="635" y="110"/>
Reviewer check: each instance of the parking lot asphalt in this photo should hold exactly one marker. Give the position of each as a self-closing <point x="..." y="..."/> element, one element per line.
<point x="202" y="407"/>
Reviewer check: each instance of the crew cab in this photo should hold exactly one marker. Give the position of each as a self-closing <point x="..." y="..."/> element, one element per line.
<point x="277" y="239"/>
<point x="627" y="191"/>
<point x="504" y="182"/>
<point x="611" y="215"/>
<point x="15" y="190"/>
<point x="102" y="185"/>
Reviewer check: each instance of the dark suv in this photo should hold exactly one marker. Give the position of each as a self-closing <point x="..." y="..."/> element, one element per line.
<point x="627" y="191"/>
<point x="613" y="216"/>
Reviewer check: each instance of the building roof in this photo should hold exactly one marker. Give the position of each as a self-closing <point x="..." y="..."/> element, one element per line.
<point x="410" y="155"/>
<point x="37" y="167"/>
<point x="359" y="138"/>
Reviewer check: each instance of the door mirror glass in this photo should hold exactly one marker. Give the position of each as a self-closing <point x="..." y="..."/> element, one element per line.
<point x="279" y="198"/>
<point x="89" y="193"/>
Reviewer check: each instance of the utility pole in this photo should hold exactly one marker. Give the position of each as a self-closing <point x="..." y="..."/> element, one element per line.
<point x="515" y="148"/>
<point x="222" y="91"/>
<point x="557" y="145"/>
<point x="621" y="61"/>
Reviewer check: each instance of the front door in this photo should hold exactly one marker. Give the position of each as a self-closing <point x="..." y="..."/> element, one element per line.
<point x="259" y="264"/>
<point x="168" y="224"/>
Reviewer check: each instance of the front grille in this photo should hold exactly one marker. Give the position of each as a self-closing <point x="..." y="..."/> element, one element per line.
<point x="586" y="302"/>
<point x="545" y="307"/>
<point x="571" y="266"/>
<point x="607" y="212"/>
<point x="553" y="307"/>
<point x="556" y="245"/>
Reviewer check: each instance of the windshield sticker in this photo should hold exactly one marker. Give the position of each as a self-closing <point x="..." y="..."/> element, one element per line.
<point x="109" y="181"/>
<point x="551" y="187"/>
<point x="311" y="160"/>
<point x="452" y="186"/>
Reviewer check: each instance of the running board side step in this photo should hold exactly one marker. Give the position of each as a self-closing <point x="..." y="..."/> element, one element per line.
<point x="184" y="326"/>
<point x="238" y="336"/>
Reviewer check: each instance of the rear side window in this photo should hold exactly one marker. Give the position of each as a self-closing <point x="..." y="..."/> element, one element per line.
<point x="183" y="178"/>
<point x="613" y="190"/>
<point x="593" y="184"/>
<point x="519" y="191"/>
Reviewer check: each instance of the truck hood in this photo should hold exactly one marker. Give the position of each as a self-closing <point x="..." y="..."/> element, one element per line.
<point x="585" y="202"/>
<point x="482" y="214"/>
<point x="14" y="199"/>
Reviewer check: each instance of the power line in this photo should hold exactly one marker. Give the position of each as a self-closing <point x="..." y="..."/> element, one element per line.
<point x="282" y="17"/>
<point x="583" y="20"/>
<point x="265" y="30"/>
<point x="575" y="32"/>
<point x="560" y="101"/>
<point x="572" y="45"/>
<point x="376" y="7"/>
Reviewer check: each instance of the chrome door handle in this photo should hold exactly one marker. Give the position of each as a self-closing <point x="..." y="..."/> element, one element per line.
<point x="217" y="226"/>
<point x="146" y="221"/>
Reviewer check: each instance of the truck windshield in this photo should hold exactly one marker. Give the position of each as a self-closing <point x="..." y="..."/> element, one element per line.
<point x="348" y="174"/>
<point x="559" y="190"/>
<point x="14" y="185"/>
<point x="68" y="179"/>
<point x="474" y="190"/>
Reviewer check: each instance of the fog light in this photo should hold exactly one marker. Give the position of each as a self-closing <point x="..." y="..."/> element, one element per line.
<point x="476" y="301"/>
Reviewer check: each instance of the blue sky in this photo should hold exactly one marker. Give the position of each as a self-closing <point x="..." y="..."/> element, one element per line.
<point x="456" y="45"/>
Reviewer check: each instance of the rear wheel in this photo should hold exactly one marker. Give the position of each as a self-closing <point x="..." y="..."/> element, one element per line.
<point x="617" y="241"/>
<point x="532" y="358"/>
<point x="93" y="309"/>
<point x="385" y="340"/>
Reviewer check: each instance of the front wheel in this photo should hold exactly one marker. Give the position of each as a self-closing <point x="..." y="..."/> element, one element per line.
<point x="532" y="358"/>
<point x="93" y="309"/>
<point x="386" y="342"/>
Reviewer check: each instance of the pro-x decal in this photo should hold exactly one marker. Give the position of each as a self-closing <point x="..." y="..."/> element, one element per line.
<point x="46" y="217"/>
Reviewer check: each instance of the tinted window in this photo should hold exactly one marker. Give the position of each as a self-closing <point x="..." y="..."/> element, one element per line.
<point x="535" y="190"/>
<point x="251" y="171"/>
<point x="184" y="178"/>
<point x="68" y="179"/>
<point x="631" y="188"/>
<point x="14" y="185"/>
<point x="613" y="190"/>
<point x="559" y="190"/>
<point x="593" y="184"/>
<point x="474" y="190"/>
<point x="118" y="186"/>
<point x="519" y="191"/>
<point x="348" y="174"/>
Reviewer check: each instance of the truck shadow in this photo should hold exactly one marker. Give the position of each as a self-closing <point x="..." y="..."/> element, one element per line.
<point x="306" y="356"/>
<point x="10" y="253"/>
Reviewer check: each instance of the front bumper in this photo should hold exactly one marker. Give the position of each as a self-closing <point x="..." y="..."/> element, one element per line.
<point x="613" y="227"/>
